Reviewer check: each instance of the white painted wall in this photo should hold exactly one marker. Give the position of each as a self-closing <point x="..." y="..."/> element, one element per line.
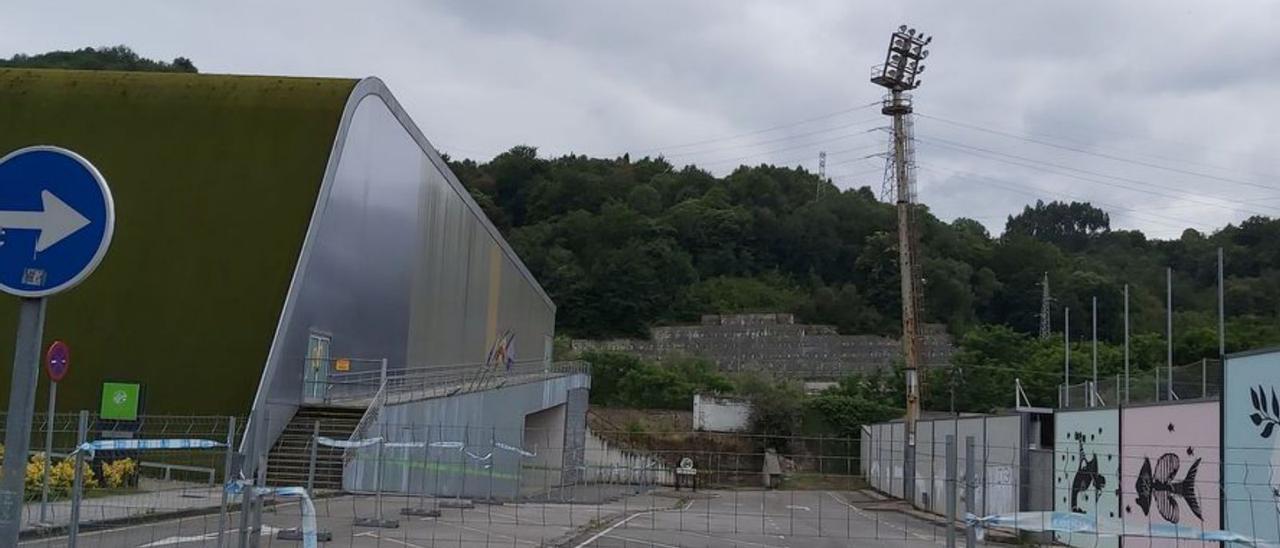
<point x="717" y="414"/>
<point x="606" y="463"/>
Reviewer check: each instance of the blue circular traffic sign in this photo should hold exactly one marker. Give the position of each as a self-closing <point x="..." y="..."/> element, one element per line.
<point x="56" y="220"/>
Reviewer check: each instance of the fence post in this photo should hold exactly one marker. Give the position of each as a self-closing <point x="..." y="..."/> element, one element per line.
<point x="227" y="462"/>
<point x="970" y="534"/>
<point x="381" y="444"/>
<point x="311" y="466"/>
<point x="255" y="538"/>
<point x="48" y="452"/>
<point x="248" y="495"/>
<point x="951" y="491"/>
<point x="78" y="485"/>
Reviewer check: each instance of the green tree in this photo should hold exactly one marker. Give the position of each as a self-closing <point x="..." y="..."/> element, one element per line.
<point x="104" y="58"/>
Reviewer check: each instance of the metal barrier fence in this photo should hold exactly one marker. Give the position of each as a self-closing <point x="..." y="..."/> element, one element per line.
<point x="452" y="485"/>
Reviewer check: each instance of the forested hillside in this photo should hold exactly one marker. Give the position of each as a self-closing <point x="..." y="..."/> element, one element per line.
<point x="624" y="244"/>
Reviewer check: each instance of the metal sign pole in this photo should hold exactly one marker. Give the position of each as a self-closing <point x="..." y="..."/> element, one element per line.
<point x="78" y="484"/>
<point x="75" y="200"/>
<point x="17" y="436"/>
<point x="48" y="450"/>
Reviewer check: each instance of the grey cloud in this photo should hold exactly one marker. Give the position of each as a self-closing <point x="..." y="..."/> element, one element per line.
<point x="1180" y="80"/>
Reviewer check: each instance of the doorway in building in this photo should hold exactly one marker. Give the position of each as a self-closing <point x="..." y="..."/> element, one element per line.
<point x="315" y="381"/>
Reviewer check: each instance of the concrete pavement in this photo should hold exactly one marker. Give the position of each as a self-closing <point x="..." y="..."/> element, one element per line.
<point x="741" y="519"/>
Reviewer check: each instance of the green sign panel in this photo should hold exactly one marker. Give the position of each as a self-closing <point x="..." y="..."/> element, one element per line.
<point x="120" y="401"/>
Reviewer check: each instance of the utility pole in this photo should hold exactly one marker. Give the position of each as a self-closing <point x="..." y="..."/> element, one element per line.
<point x="1168" y="331"/>
<point x="899" y="74"/>
<point x="1222" y="317"/>
<point x="1066" y="357"/>
<point x="1126" y="344"/>
<point x="1093" y="389"/>
<point x="822" y="174"/>
<point x="1044" y="308"/>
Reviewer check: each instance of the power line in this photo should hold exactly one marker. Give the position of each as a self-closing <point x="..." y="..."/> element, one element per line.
<point x="759" y="131"/>
<point x="1173" y="222"/>
<point x="1156" y="140"/>
<point x="771" y="141"/>
<point x="806" y="156"/>
<point x="979" y="152"/>
<point x="876" y="169"/>
<point x="1099" y="154"/>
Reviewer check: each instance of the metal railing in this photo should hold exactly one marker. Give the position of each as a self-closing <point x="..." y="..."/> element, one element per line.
<point x="411" y="383"/>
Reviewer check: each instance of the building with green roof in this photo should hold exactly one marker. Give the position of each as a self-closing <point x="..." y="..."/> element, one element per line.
<point x="272" y="234"/>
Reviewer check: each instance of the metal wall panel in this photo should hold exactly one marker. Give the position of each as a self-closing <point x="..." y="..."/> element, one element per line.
<point x="1086" y="473"/>
<point x="1153" y="437"/>
<point x="1001" y="458"/>
<point x="362" y="279"/>
<point x="897" y="437"/>
<point x="490" y="416"/>
<point x="924" y="464"/>
<point x="1251" y="455"/>
<point x="941" y="429"/>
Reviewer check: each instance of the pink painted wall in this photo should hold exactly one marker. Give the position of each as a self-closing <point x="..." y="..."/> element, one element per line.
<point x="1189" y="431"/>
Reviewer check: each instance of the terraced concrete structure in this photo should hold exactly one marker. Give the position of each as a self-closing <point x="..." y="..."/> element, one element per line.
<point x="775" y="343"/>
<point x="274" y="236"/>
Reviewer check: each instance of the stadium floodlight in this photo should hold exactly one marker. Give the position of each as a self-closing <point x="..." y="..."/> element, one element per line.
<point x="902" y="60"/>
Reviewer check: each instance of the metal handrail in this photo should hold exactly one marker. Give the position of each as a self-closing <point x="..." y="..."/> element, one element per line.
<point x="354" y="387"/>
<point x="366" y="421"/>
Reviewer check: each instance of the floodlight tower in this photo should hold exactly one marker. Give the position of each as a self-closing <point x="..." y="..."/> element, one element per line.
<point x="899" y="74"/>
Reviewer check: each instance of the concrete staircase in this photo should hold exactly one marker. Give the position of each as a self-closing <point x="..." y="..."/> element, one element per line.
<point x="290" y="457"/>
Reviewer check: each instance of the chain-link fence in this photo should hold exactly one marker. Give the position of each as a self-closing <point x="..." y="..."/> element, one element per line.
<point x="1200" y="379"/>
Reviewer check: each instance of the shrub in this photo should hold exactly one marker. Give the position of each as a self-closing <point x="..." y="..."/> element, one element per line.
<point x="119" y="473"/>
<point x="61" y="475"/>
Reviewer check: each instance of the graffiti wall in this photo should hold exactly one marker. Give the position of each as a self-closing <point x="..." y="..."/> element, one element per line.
<point x="1086" y="469"/>
<point x="1169" y="470"/>
<point x="1251" y="458"/>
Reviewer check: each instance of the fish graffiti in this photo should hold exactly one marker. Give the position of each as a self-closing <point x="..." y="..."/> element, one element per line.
<point x="1159" y="485"/>
<point x="1086" y="476"/>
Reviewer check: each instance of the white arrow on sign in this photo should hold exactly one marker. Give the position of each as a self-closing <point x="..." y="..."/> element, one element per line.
<point x="57" y="221"/>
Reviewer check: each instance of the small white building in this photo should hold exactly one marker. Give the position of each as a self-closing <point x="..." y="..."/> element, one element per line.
<point x="720" y="413"/>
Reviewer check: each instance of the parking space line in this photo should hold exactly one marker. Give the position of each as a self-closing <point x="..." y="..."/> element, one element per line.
<point x="640" y="541"/>
<point x="489" y="533"/>
<point x="388" y="539"/>
<point x="891" y="525"/>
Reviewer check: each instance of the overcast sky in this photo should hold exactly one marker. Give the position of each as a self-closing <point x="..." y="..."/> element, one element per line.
<point x="1163" y="113"/>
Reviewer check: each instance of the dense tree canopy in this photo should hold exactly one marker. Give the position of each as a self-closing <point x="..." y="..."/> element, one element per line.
<point x="625" y="244"/>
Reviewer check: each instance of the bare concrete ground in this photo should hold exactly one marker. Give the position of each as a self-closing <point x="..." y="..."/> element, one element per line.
<point x="747" y="519"/>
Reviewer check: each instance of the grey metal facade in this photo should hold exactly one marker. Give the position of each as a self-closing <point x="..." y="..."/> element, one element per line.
<point x="398" y="263"/>
<point x="1000" y="457"/>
